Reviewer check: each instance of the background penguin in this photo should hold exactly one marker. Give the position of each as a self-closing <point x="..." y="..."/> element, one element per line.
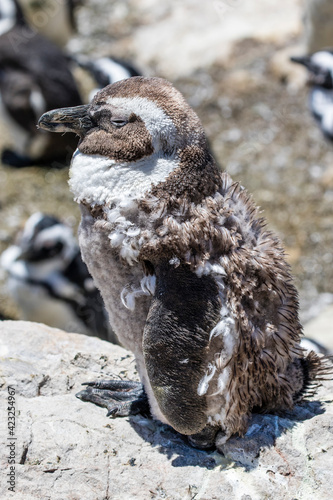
<point x="34" y="77"/>
<point x="194" y="284"/>
<point x="49" y="282"/>
<point x="320" y="68"/>
<point x="105" y="70"/>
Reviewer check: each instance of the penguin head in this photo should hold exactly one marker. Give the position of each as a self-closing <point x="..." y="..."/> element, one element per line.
<point x="134" y="133"/>
<point x="45" y="239"/>
<point x="129" y="120"/>
<point x="320" y="67"/>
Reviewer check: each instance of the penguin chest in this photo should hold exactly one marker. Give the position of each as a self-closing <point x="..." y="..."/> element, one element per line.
<point x="126" y="298"/>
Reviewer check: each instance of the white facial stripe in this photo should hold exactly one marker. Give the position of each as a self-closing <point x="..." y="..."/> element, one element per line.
<point x="323" y="59"/>
<point x="321" y="100"/>
<point x="62" y="233"/>
<point x="30" y="225"/>
<point x="113" y="70"/>
<point x="159" y="124"/>
<point x="99" y="180"/>
<point x="9" y="256"/>
<point x="58" y="232"/>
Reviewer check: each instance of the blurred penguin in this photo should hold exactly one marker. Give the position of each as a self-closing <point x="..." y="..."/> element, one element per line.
<point x="320" y="77"/>
<point x="50" y="283"/>
<point x="35" y="76"/>
<point x="105" y="70"/>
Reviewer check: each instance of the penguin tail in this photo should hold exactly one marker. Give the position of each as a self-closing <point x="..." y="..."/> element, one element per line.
<point x="316" y="369"/>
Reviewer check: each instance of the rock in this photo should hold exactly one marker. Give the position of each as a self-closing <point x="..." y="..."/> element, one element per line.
<point x="174" y="39"/>
<point x="50" y="18"/>
<point x="285" y="70"/>
<point x="318" y="19"/>
<point x="67" y="449"/>
<point x="206" y="32"/>
<point x="321" y="328"/>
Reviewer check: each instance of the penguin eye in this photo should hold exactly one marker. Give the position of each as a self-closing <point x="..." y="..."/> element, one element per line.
<point x="49" y="251"/>
<point x="119" y="122"/>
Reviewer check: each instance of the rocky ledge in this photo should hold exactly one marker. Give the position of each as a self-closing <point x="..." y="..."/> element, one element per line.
<point x="67" y="449"/>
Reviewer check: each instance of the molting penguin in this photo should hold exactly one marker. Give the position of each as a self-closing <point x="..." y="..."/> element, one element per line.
<point x="49" y="282"/>
<point x="34" y="77"/>
<point x="194" y="284"/>
<point x="320" y="68"/>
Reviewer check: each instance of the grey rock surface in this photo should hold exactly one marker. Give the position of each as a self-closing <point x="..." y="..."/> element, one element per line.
<point x="318" y="18"/>
<point x="67" y="449"/>
<point x="320" y="328"/>
<point x="177" y="38"/>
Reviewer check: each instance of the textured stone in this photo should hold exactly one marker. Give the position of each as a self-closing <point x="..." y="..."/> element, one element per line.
<point x="174" y="39"/>
<point x="318" y="19"/>
<point x="320" y="328"/>
<point x="206" y="31"/>
<point x="67" y="449"/>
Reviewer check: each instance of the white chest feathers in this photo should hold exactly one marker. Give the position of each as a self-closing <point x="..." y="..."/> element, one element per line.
<point x="99" y="180"/>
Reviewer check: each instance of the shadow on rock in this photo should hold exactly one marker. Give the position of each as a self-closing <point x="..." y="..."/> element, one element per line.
<point x="263" y="432"/>
<point x="174" y="446"/>
<point x="238" y="451"/>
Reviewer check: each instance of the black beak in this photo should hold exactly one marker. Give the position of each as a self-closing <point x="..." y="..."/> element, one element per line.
<point x="75" y="120"/>
<point x="26" y="254"/>
<point x="317" y="75"/>
<point x="304" y="60"/>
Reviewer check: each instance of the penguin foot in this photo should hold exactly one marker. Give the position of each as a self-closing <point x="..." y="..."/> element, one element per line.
<point x="205" y="439"/>
<point x="13" y="159"/>
<point x="120" y="397"/>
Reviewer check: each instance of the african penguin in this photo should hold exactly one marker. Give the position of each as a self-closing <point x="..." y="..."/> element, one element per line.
<point x="194" y="284"/>
<point x="49" y="282"/>
<point x="34" y="77"/>
<point x="105" y="70"/>
<point x="320" y="77"/>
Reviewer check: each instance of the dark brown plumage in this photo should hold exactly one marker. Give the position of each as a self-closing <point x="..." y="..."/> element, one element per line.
<point x="211" y="312"/>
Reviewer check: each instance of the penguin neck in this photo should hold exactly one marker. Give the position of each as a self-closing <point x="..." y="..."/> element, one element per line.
<point x="98" y="180"/>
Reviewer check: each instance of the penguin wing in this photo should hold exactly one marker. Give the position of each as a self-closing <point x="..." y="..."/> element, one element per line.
<point x="183" y="312"/>
<point x="37" y="56"/>
<point x="90" y="309"/>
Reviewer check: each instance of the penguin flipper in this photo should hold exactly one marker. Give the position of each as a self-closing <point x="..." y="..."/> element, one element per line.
<point x="184" y="310"/>
<point x="121" y="397"/>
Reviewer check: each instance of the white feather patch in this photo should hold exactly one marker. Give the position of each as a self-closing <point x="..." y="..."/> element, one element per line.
<point x="99" y="180"/>
<point x="130" y="293"/>
<point x="204" y="382"/>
